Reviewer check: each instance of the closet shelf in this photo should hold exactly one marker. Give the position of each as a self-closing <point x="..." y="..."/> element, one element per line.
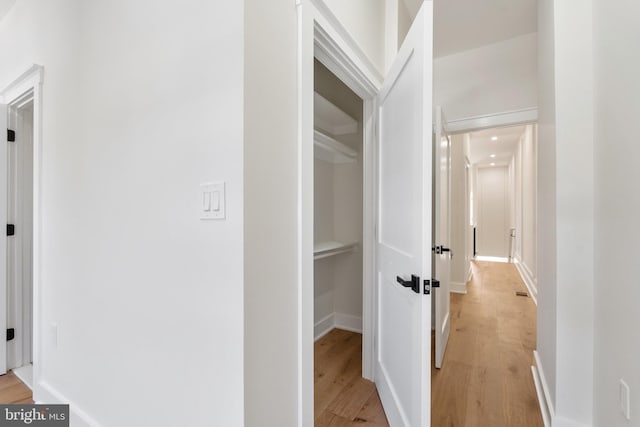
<point x="332" y="151"/>
<point x="327" y="249"/>
<point x="332" y="119"/>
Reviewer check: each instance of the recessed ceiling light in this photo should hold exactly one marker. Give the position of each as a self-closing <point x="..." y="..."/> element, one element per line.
<point x="493" y="164"/>
<point x="493" y="156"/>
<point x="494" y="138"/>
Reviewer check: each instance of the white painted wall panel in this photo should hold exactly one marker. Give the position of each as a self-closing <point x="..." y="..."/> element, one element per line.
<point x="566" y="208"/>
<point x="271" y="220"/>
<point x="493" y="211"/>
<point x="492" y="79"/>
<point x="547" y="263"/>
<point x="459" y="212"/>
<point x="617" y="202"/>
<point x="143" y="101"/>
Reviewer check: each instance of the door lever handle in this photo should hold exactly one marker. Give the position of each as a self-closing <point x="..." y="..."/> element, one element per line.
<point x="441" y="249"/>
<point x="414" y="283"/>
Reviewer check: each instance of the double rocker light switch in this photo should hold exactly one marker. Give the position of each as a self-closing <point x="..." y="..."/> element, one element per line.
<point x="213" y="200"/>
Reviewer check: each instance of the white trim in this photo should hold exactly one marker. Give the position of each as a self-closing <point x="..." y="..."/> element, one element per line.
<point x="528" y="279"/>
<point x="333" y="321"/>
<point x="324" y="326"/>
<point x="348" y="322"/>
<point x="491" y="259"/>
<point x="321" y="36"/>
<point x="543" y="382"/>
<point x="469" y="275"/>
<point x="565" y="422"/>
<point x="508" y="118"/>
<point x="29" y="84"/>
<point x="47" y="394"/>
<point x="542" y="402"/>
<point x="334" y="42"/>
<point x="457" y="288"/>
<point x="25" y="374"/>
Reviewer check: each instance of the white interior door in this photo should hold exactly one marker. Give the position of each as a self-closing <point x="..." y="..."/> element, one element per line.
<point x="402" y="357"/>
<point x="3" y="236"/>
<point x="441" y="233"/>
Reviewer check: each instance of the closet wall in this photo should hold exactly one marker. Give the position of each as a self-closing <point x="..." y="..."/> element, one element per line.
<point x="338" y="212"/>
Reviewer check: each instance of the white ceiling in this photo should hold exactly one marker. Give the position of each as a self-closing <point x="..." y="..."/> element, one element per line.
<point x="482" y="147"/>
<point x="468" y="24"/>
<point x="5" y="5"/>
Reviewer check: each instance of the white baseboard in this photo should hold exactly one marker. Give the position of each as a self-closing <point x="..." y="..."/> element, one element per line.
<point x="324" y="326"/>
<point x="542" y="402"/>
<point x="492" y="258"/>
<point x="528" y="279"/>
<point x="565" y="422"/>
<point x="458" y="288"/>
<point x="44" y="393"/>
<point x="337" y="320"/>
<point x="544" y="397"/>
<point x="348" y="322"/>
<point x="25" y="374"/>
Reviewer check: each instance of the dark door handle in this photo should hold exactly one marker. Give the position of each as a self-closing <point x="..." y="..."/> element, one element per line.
<point x="414" y="283"/>
<point x="441" y="249"/>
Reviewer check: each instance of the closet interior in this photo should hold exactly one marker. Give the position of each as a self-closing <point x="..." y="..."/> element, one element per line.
<point x="338" y="186"/>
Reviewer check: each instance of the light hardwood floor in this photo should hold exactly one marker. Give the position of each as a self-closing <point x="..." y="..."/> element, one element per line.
<point x="486" y="377"/>
<point x="486" y="380"/>
<point x="342" y="396"/>
<point x="13" y="391"/>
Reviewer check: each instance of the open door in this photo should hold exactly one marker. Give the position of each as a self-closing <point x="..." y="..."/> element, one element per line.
<point x="441" y="233"/>
<point x="402" y="355"/>
<point x="3" y="236"/>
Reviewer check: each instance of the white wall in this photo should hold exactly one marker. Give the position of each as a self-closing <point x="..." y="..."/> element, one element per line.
<point x="565" y="206"/>
<point x="617" y="201"/>
<point x="547" y="263"/>
<point x="404" y="21"/>
<point x="365" y="21"/>
<point x="493" y="211"/>
<point x="271" y="208"/>
<point x="139" y="109"/>
<point x="525" y="196"/>
<point x="492" y="79"/>
<point x="459" y="214"/>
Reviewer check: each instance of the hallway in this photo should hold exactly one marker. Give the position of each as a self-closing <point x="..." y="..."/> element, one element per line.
<point x="486" y="377"/>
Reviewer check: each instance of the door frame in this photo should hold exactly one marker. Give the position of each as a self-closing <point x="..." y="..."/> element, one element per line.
<point x="507" y="118"/>
<point x="17" y="296"/>
<point x="26" y="88"/>
<point x="321" y="36"/>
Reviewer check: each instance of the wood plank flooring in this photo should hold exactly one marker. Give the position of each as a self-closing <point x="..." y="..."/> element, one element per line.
<point x="13" y="391"/>
<point x="342" y="396"/>
<point x="486" y="377"/>
<point x="485" y="380"/>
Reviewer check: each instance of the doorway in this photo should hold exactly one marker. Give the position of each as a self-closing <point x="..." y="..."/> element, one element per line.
<point x="20" y="240"/>
<point x="338" y="243"/>
<point x="21" y="115"/>
<point x="486" y="378"/>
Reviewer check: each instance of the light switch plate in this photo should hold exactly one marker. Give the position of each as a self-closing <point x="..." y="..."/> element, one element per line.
<point x="213" y="200"/>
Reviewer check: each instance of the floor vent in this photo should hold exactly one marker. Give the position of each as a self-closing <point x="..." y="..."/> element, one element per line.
<point x="521" y="294"/>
